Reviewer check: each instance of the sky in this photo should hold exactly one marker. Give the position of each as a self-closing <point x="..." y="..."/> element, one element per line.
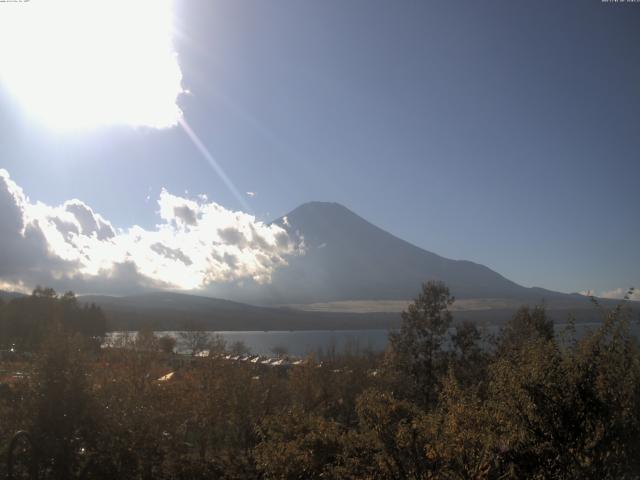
<point x="502" y="132"/>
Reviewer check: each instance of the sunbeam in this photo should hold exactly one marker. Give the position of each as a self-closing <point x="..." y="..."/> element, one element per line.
<point x="214" y="164"/>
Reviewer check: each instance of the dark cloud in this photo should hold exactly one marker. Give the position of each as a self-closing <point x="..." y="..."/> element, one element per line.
<point x="171" y="253"/>
<point x="232" y="236"/>
<point x="90" y="223"/>
<point x="24" y="256"/>
<point x="186" y="214"/>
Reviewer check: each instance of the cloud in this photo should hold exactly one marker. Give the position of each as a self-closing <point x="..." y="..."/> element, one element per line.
<point x="620" y="293"/>
<point x="171" y="253"/>
<point x="587" y="293"/>
<point x="196" y="245"/>
<point x="89" y="222"/>
<point x="23" y="248"/>
<point x="616" y="293"/>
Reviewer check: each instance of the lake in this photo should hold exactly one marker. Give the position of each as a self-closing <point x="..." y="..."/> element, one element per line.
<point x="302" y="342"/>
<point x="297" y="342"/>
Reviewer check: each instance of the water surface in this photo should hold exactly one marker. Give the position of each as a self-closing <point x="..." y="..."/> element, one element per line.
<point x="304" y="342"/>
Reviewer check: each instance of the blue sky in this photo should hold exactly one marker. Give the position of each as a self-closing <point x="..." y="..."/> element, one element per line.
<point x="501" y="132"/>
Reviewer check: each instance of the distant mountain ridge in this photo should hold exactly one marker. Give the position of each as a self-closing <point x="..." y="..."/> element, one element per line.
<point x="9" y="295"/>
<point x="177" y="311"/>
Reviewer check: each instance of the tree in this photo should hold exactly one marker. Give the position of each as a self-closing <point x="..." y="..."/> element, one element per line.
<point x="63" y="412"/>
<point x="146" y="340"/>
<point x="240" y="348"/>
<point x="469" y="360"/>
<point x="25" y="321"/>
<point x="525" y="326"/>
<point x="416" y="350"/>
<point x="217" y="345"/>
<point x="167" y="343"/>
<point x="280" y="351"/>
<point x="298" y="445"/>
<point x="393" y="438"/>
<point x="194" y="338"/>
<point x="4" y="330"/>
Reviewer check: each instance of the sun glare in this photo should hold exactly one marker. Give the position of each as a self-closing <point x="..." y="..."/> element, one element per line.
<point x="76" y="64"/>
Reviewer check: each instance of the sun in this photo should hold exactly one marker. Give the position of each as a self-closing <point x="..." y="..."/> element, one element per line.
<point x="78" y="64"/>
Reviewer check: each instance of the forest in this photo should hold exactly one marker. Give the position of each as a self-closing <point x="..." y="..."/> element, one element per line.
<point x="443" y="401"/>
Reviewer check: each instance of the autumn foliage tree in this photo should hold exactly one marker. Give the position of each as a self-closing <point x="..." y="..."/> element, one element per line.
<point x="416" y="351"/>
<point x="445" y="401"/>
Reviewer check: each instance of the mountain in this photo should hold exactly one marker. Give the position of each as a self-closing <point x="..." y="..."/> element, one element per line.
<point x="352" y="275"/>
<point x="177" y="311"/>
<point x="348" y="258"/>
<point x="6" y="296"/>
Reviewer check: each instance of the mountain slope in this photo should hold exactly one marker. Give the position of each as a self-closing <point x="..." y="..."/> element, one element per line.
<point x="348" y="258"/>
<point x="176" y="311"/>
